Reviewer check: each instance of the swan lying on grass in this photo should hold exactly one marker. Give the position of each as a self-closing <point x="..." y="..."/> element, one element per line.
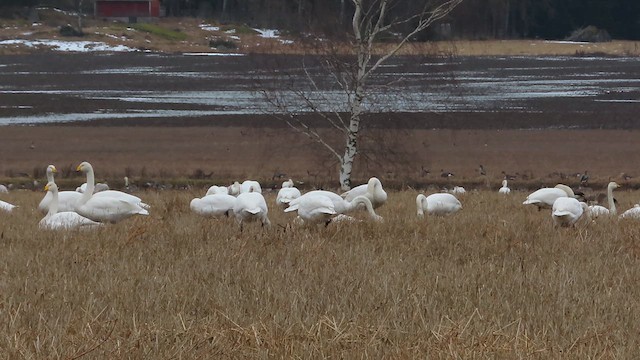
<point x="63" y="220"/>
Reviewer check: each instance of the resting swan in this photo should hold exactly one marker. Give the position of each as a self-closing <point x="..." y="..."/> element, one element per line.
<point x="250" y="186"/>
<point x="504" y="189"/>
<point x="286" y="194"/>
<point x="595" y="211"/>
<point x="633" y="213"/>
<point x="249" y="207"/>
<point x="218" y="190"/>
<point x="86" y="168"/>
<point x="66" y="199"/>
<point x="340" y="205"/>
<point x="104" y="208"/>
<point x="287" y="184"/>
<point x="214" y="205"/>
<point x="372" y="190"/>
<point x="437" y="204"/>
<point x="5" y="206"/>
<point x="567" y="210"/>
<point x="234" y="189"/>
<point x="545" y="197"/>
<point x="63" y="220"/>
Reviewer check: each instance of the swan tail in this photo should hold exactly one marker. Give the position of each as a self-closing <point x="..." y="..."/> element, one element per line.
<point x="253" y="211"/>
<point x="560" y="213"/>
<point x="144" y="206"/>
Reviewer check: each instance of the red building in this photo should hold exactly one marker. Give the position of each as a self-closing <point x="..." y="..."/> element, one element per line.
<point x="126" y="8"/>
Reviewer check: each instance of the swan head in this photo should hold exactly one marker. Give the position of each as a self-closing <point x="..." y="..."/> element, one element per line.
<point x="504" y="183"/>
<point x="51" y="186"/>
<point x="613" y="185"/>
<point x="52" y="169"/>
<point x="84" y="167"/>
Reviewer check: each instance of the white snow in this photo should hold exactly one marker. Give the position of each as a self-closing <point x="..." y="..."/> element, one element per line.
<point x="68" y="46"/>
<point x="268" y="33"/>
<point x="207" y="27"/>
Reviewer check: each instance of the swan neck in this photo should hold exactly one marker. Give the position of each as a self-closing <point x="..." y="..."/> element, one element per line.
<point x="53" y="205"/>
<point x="612" y="204"/>
<point x="419" y="202"/>
<point x="367" y="203"/>
<point x="49" y="175"/>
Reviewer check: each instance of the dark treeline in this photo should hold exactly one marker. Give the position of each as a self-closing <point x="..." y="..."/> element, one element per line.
<point x="473" y="19"/>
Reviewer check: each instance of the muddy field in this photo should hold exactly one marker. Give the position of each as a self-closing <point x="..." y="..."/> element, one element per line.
<point x="537" y="140"/>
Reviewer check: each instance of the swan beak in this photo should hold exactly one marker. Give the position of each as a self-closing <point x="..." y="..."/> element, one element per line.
<point x="79" y="168"/>
<point x="46" y="187"/>
<point x="53" y="168"/>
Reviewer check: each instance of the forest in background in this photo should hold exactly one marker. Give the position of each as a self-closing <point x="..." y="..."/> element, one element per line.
<point x="473" y="19"/>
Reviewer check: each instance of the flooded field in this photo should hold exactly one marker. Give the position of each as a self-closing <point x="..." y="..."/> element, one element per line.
<point x="521" y="92"/>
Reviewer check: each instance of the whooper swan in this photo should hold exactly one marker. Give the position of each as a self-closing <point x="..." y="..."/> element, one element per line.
<point x="372" y="190"/>
<point x="504" y="189"/>
<point x="250" y="207"/>
<point x="567" y="210"/>
<point x="66" y="199"/>
<point x="440" y="204"/>
<point x="63" y="220"/>
<point x="214" y="205"/>
<point x="104" y="208"/>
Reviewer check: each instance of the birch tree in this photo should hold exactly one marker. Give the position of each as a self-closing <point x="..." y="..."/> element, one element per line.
<point x="371" y="19"/>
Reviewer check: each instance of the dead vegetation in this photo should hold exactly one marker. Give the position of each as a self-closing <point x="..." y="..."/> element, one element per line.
<point x="495" y="280"/>
<point x="193" y="38"/>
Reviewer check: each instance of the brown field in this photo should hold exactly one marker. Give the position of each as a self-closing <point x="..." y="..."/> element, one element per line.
<point x="496" y="280"/>
<point x="396" y="156"/>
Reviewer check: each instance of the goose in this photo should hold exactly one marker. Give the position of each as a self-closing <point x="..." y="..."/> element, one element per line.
<point x="340" y="205"/>
<point x="372" y="190"/>
<point x="287" y="184"/>
<point x="250" y="186"/>
<point x="86" y="168"/>
<point x="437" y="204"/>
<point x="504" y="189"/>
<point x="66" y="199"/>
<point x="251" y="206"/>
<point x="63" y="220"/>
<point x="104" y="208"/>
<point x="596" y="211"/>
<point x="214" y="205"/>
<point x="5" y="206"/>
<point x="286" y="194"/>
<point x="566" y="211"/>
<point x="218" y="190"/>
<point x="545" y="197"/>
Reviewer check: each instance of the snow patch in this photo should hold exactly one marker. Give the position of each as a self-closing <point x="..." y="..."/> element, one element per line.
<point x="68" y="46"/>
<point x="268" y="33"/>
<point x="208" y="27"/>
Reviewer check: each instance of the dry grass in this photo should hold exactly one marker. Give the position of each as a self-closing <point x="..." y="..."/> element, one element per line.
<point x="496" y="280"/>
<point x="194" y="39"/>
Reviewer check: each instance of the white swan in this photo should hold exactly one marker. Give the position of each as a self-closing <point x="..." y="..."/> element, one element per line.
<point x="99" y="187"/>
<point x="340" y="205"/>
<point x="104" y="208"/>
<point x="66" y="199"/>
<point x="250" y="186"/>
<point x="437" y="204"/>
<point x="567" y="210"/>
<point x="250" y="207"/>
<point x="63" y="220"/>
<point x="545" y="197"/>
<point x="5" y="206"/>
<point x="3" y="189"/>
<point x="214" y="205"/>
<point x="234" y="189"/>
<point x="316" y="209"/>
<point x="372" y="190"/>
<point x="287" y="184"/>
<point x="218" y="190"/>
<point x="286" y="195"/>
<point x="595" y="211"/>
<point x="633" y="213"/>
<point x="504" y="189"/>
<point x="86" y="168"/>
<point x="458" y="190"/>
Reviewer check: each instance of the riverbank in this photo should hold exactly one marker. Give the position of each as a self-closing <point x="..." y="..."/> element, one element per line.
<point x="191" y="35"/>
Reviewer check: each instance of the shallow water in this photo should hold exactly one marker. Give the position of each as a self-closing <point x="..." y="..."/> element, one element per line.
<point x="83" y="87"/>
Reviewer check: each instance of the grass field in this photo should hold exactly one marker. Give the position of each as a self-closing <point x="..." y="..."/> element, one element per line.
<point x="495" y="280"/>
